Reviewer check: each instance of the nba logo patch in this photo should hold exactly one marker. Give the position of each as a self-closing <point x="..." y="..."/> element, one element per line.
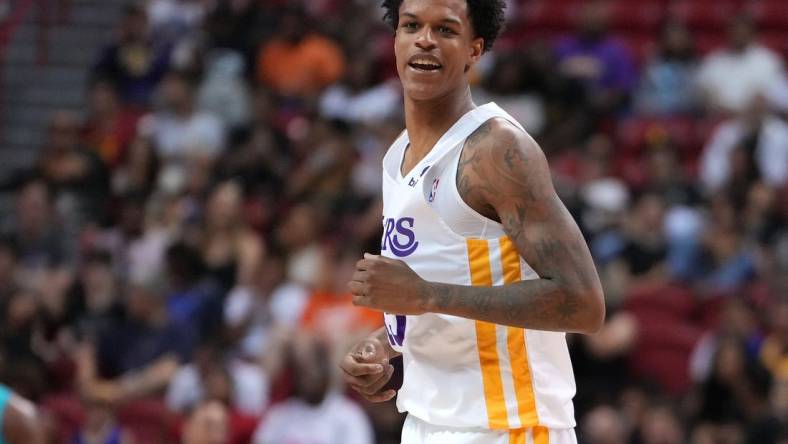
<point x="434" y="191"/>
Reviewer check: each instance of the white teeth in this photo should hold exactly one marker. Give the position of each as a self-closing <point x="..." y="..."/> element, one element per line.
<point x="426" y="63"/>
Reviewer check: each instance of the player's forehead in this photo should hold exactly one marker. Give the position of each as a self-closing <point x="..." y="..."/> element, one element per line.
<point x="454" y="10"/>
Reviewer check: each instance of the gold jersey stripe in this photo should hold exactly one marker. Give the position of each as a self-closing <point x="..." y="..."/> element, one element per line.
<point x="486" y="340"/>
<point x="518" y="349"/>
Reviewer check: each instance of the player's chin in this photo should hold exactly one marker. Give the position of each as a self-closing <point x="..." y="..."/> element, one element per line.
<point x="423" y="91"/>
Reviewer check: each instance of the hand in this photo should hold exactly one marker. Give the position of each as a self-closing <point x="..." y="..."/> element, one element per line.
<point x="367" y="370"/>
<point x="388" y="285"/>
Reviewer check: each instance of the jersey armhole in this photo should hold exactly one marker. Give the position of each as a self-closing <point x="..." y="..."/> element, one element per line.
<point x="487" y="223"/>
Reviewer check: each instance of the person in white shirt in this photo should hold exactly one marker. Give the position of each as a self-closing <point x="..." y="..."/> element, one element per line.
<point x="317" y="414"/>
<point x="732" y="77"/>
<point x="766" y="131"/>
<point x="187" y="139"/>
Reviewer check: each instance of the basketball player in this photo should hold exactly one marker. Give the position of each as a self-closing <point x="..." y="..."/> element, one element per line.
<point x="482" y="269"/>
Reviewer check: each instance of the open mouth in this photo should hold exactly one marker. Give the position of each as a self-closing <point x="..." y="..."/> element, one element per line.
<point x="425" y="66"/>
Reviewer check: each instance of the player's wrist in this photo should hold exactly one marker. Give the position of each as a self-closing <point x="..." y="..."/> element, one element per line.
<point x="426" y="296"/>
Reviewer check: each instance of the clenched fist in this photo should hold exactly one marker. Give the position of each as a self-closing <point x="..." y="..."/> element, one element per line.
<point x="367" y="369"/>
<point x="388" y="285"/>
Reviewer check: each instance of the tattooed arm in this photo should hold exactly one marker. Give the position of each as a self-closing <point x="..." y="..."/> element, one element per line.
<point x="504" y="175"/>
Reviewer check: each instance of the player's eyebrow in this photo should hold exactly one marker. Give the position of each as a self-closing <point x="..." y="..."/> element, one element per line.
<point x="451" y="20"/>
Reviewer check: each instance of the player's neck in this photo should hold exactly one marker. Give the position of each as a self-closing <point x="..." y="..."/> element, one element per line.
<point x="427" y="121"/>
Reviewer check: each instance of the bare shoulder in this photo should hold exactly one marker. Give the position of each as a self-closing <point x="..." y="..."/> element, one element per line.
<point x="500" y="160"/>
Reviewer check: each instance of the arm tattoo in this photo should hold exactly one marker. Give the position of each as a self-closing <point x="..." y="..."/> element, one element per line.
<point x="512" y="155"/>
<point x="505" y="177"/>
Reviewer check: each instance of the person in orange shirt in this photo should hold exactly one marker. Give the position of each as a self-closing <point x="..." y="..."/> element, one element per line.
<point x="330" y="312"/>
<point x="299" y="63"/>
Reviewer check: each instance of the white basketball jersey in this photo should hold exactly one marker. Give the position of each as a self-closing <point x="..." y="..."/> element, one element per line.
<point x="460" y="372"/>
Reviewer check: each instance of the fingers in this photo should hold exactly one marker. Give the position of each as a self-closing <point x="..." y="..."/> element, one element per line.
<point x="360" y="276"/>
<point x="353" y="368"/>
<point x="364" y="264"/>
<point x="381" y="397"/>
<point x="375" y="386"/>
<point x="357" y="288"/>
<point x="370" y="384"/>
<point x="361" y="383"/>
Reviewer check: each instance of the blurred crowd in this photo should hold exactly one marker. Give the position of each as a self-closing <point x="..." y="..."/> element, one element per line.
<point x="175" y="266"/>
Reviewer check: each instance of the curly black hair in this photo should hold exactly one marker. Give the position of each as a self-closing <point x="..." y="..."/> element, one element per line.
<point x="487" y="18"/>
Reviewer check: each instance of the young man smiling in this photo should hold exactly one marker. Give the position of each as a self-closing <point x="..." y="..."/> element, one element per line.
<point x="482" y="269"/>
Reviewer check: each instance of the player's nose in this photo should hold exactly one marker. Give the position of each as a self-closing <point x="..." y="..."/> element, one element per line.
<point x="425" y="40"/>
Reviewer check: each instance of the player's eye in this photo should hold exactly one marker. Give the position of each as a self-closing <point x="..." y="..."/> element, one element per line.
<point x="410" y="26"/>
<point x="446" y="30"/>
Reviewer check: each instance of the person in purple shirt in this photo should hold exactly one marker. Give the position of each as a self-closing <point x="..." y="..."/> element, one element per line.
<point x="603" y="67"/>
<point x="133" y="61"/>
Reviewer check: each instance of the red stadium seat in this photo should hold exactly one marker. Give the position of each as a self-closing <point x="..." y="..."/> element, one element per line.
<point x="705" y="14"/>
<point x="776" y="40"/>
<point x="550" y="14"/>
<point x="632" y="134"/>
<point x="644" y="16"/>
<point x="529" y="36"/>
<point x="67" y="413"/>
<point x="667" y="335"/>
<point x="770" y="14"/>
<point x="149" y="421"/>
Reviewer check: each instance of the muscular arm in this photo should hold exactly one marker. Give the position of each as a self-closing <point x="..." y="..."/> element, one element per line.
<point x="504" y="175"/>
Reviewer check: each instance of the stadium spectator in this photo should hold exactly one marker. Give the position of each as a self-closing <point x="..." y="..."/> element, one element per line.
<point x="746" y="149"/>
<point x="667" y="84"/>
<point x="139" y="356"/>
<point x="299" y="234"/>
<point x="604" y="425"/>
<point x="208" y="423"/>
<point x="187" y="140"/>
<point x="731" y="78"/>
<point x="317" y="413"/>
<point x="299" y="62"/>
<point x="96" y="295"/>
<point x="774" y="353"/>
<point x="101" y="426"/>
<point x="171" y="20"/>
<point x="507" y="85"/>
<point x="194" y="300"/>
<point x="358" y="97"/>
<point x="241" y="385"/>
<point x="133" y="61"/>
<point x="223" y="92"/>
<point x="111" y="126"/>
<point x="41" y="244"/>
<point x="76" y="174"/>
<point x="231" y="250"/>
<point x="604" y="67"/>
<point x="330" y="313"/>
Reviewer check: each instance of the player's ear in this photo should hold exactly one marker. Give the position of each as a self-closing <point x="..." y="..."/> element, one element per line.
<point x="476" y="51"/>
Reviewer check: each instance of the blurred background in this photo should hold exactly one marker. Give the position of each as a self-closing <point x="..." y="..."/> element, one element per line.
<point x="185" y="186"/>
